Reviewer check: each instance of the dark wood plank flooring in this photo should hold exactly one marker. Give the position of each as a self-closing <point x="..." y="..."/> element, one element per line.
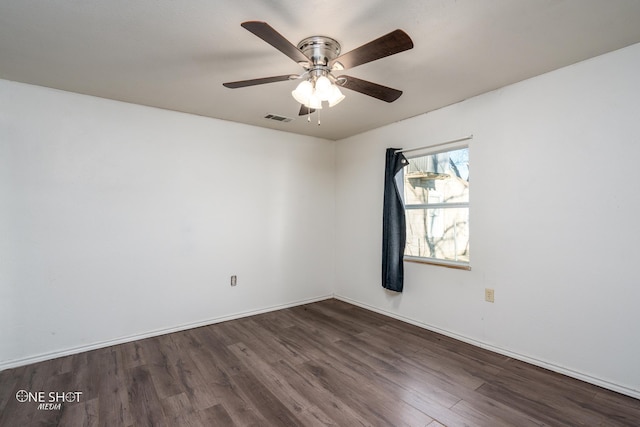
<point x="327" y="363"/>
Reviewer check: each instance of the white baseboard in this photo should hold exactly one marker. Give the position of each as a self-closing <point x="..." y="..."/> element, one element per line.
<point x="75" y="350"/>
<point x="541" y="363"/>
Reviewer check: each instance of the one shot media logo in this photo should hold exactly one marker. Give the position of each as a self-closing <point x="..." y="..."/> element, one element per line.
<point x="48" y="401"/>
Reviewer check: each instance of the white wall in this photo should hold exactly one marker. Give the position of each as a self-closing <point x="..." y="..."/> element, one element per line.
<point x="554" y="222"/>
<point x="119" y="220"/>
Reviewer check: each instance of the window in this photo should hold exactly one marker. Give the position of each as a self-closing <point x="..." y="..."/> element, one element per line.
<point x="436" y="197"/>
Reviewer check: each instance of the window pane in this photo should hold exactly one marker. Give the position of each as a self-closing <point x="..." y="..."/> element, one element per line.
<point x="441" y="233"/>
<point x="438" y="178"/>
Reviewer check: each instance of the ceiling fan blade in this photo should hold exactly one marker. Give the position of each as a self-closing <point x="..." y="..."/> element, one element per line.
<point x="375" y="90"/>
<point x="305" y="110"/>
<point x="395" y="42"/>
<point x="253" y="82"/>
<point x="275" y="39"/>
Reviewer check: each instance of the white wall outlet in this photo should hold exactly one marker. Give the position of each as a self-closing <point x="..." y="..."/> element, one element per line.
<point x="234" y="280"/>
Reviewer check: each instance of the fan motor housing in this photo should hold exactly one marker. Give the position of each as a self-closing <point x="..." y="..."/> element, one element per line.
<point x="320" y="49"/>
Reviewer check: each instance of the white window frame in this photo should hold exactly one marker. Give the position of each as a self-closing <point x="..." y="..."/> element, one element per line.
<point x="463" y="265"/>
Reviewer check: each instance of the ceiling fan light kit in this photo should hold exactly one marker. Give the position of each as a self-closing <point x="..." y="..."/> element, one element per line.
<point x="312" y="92"/>
<point x="320" y="85"/>
<point x="320" y="56"/>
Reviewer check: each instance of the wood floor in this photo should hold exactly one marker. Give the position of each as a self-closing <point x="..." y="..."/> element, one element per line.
<point x="327" y="363"/>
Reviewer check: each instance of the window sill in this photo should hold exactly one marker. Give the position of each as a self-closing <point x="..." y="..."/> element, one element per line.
<point x="440" y="263"/>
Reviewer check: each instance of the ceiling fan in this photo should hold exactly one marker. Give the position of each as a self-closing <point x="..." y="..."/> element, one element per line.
<point x="320" y="57"/>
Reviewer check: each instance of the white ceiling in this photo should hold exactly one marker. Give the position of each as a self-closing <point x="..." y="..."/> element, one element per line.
<point x="176" y="54"/>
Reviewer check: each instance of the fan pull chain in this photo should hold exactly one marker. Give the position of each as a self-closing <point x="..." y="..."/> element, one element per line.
<point x="318" y="110"/>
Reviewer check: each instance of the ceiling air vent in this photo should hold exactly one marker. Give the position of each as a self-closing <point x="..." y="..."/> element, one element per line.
<point x="278" y="118"/>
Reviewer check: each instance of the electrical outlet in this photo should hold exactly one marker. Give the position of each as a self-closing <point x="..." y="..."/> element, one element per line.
<point x="234" y="280"/>
<point x="488" y="295"/>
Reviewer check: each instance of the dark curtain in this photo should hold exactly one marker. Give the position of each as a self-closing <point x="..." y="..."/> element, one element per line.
<point x="393" y="224"/>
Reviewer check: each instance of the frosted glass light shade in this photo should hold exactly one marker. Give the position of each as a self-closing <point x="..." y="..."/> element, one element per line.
<point x="314" y="102"/>
<point x="323" y="88"/>
<point x="335" y="96"/>
<point x="303" y="92"/>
